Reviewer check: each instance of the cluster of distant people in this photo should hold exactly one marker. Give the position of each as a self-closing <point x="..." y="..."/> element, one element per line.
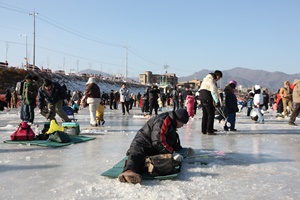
<point x="51" y="97"/>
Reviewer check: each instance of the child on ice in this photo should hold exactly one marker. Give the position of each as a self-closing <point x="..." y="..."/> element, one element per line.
<point x="230" y="105"/>
<point x="100" y="114"/>
<point x="160" y="104"/>
<point x="258" y="103"/>
<point x="190" y="103"/>
<point x="250" y="103"/>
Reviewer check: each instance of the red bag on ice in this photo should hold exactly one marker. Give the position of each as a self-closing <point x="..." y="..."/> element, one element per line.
<point x="24" y="132"/>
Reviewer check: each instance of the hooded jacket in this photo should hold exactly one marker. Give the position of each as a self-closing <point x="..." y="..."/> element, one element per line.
<point x="190" y="103"/>
<point x="92" y="91"/>
<point x="230" y="100"/>
<point x="286" y="91"/>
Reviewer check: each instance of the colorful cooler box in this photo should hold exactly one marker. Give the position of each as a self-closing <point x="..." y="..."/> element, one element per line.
<point x="71" y="128"/>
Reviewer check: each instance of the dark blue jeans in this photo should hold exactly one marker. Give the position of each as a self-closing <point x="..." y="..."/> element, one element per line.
<point x="175" y="104"/>
<point x="231" y="119"/>
<point x="28" y="112"/>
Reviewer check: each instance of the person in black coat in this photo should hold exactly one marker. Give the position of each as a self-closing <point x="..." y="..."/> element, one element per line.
<point x="153" y="96"/>
<point x="157" y="136"/>
<point x="8" y="98"/>
<point x="145" y="99"/>
<point x="230" y="105"/>
<point x="111" y="99"/>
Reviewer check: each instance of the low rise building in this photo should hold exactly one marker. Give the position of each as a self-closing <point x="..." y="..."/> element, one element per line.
<point x="159" y="79"/>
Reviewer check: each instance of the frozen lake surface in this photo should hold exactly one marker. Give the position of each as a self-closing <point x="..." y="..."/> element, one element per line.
<point x="260" y="161"/>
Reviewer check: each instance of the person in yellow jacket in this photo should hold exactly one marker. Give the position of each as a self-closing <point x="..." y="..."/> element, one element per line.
<point x="100" y="113"/>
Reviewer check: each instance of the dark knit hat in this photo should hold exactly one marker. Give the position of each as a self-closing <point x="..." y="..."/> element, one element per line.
<point x="47" y="82"/>
<point x="28" y="76"/>
<point x="182" y="115"/>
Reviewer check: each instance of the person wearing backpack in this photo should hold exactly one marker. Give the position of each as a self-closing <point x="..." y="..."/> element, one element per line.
<point x="29" y="94"/>
<point x="51" y="96"/>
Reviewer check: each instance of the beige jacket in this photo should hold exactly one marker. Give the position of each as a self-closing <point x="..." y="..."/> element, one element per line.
<point x="296" y="91"/>
<point x="286" y="91"/>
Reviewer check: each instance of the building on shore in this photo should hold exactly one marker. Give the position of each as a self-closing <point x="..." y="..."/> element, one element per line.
<point x="167" y="80"/>
<point x="148" y="78"/>
<point x="192" y="85"/>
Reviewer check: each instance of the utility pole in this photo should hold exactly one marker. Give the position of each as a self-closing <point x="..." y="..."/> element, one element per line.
<point x="26" y="50"/>
<point x="77" y="66"/>
<point x="6" y="51"/>
<point x="166" y="68"/>
<point x="33" y="14"/>
<point x="126" y="73"/>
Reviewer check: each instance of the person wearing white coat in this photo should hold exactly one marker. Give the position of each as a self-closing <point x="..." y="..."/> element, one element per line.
<point x="124" y="98"/>
<point x="258" y="102"/>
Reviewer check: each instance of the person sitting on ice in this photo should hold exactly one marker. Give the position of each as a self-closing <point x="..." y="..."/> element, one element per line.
<point x="157" y="136"/>
<point x="75" y="106"/>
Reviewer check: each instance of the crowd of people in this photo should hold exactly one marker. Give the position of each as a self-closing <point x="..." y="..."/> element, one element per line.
<point x="50" y="98"/>
<point x="159" y="134"/>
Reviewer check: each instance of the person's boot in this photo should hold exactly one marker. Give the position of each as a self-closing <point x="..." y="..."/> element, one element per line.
<point x="130" y="176"/>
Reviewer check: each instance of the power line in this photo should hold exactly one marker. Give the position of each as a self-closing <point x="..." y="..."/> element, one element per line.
<point x="96" y="61"/>
<point x="144" y="58"/>
<point x="77" y="33"/>
<point x="63" y="53"/>
<point x="13" y="8"/>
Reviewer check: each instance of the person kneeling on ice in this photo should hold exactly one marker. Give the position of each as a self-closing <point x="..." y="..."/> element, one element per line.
<point x="157" y="136"/>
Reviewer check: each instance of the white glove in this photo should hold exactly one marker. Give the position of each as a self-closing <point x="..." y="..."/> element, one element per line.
<point x="177" y="157"/>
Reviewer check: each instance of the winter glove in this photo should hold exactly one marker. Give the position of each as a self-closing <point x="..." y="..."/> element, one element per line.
<point x="177" y="157"/>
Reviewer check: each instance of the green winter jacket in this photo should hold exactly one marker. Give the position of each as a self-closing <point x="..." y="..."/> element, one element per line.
<point x="29" y="94"/>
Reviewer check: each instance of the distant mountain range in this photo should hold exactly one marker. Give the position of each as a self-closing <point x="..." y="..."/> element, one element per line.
<point x="247" y="78"/>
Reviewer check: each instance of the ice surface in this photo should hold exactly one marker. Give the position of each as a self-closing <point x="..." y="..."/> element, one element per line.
<point x="260" y="161"/>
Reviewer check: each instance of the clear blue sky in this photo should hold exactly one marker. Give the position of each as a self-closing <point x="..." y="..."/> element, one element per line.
<point x="188" y="36"/>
